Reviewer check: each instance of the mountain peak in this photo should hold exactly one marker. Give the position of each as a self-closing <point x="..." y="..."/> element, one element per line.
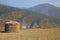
<point x="46" y="5"/>
<point x="47" y="9"/>
<point x="43" y="5"/>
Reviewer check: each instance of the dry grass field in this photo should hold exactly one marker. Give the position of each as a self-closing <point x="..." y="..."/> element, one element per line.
<point x="33" y="34"/>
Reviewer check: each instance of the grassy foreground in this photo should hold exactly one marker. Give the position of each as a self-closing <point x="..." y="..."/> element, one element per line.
<point x="33" y="34"/>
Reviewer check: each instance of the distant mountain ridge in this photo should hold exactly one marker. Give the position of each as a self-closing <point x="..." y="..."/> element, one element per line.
<point x="27" y="18"/>
<point x="47" y="9"/>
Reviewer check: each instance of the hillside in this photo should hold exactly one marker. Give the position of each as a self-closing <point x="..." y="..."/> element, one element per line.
<point x="27" y="18"/>
<point x="47" y="9"/>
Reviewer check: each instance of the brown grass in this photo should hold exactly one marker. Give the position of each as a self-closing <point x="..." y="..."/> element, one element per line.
<point x="33" y="34"/>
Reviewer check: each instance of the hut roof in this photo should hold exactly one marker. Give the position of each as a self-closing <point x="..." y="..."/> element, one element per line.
<point x="13" y="22"/>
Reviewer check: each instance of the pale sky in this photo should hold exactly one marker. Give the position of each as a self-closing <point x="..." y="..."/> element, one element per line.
<point x="28" y="3"/>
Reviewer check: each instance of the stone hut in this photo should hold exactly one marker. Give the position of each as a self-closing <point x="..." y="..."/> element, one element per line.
<point x="12" y="26"/>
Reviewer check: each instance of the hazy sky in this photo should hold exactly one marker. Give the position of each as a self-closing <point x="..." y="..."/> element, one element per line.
<point x="28" y="3"/>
